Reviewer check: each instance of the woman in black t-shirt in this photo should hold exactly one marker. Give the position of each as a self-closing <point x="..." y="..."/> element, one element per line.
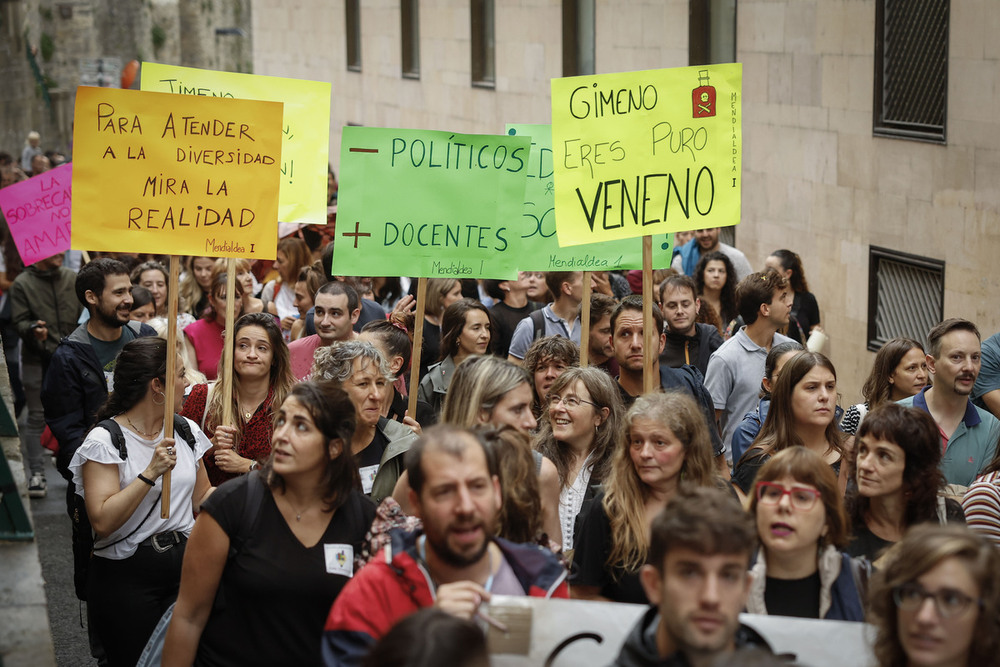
<point x="665" y="443"/>
<point x="896" y="470"/>
<point x="800" y="570"/>
<point x="295" y="528"/>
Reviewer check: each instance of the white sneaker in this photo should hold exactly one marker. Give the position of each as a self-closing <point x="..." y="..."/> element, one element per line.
<point x="37" y="485"/>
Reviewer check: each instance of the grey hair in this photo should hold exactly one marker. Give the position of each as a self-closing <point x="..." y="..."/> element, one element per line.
<point x="336" y="362"/>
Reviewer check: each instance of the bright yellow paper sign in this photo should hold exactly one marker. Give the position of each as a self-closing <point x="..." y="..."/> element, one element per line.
<point x="305" y="129"/>
<point x="175" y="174"/>
<point x="641" y="153"/>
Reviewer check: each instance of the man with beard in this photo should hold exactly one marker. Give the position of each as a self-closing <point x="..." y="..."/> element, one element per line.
<point x="454" y="562"/>
<point x="697" y="581"/>
<point x="78" y="381"/>
<point x="969" y="434"/>
<point x="705" y="241"/>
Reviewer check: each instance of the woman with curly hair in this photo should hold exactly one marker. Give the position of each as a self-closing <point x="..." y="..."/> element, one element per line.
<point x="802" y="413"/>
<point x="664" y="444"/>
<point x="896" y="465"/>
<point x="805" y="311"/>
<point x="938" y="601"/>
<point x="899" y="371"/>
<point x="580" y="425"/>
<point x="716" y="279"/>
<point x="800" y="569"/>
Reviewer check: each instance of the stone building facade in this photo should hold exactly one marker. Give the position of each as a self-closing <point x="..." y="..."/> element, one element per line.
<point x="57" y="35"/>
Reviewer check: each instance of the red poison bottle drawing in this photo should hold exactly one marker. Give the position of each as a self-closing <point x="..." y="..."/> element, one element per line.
<point x="703" y="97"/>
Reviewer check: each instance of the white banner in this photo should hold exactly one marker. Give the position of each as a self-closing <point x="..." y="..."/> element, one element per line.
<point x="571" y="633"/>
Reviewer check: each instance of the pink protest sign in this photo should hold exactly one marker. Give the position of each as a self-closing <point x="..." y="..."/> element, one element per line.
<point x="38" y="212"/>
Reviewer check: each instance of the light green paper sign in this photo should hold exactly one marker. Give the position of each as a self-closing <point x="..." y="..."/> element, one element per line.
<point x="305" y="130"/>
<point x="424" y="203"/>
<point x="648" y="152"/>
<point x="540" y="250"/>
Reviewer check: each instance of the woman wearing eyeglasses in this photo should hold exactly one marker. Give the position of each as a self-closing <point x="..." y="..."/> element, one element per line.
<point x="579" y="427"/>
<point x="664" y="444"/>
<point x="896" y="465"/>
<point x="937" y="602"/>
<point x="800" y="570"/>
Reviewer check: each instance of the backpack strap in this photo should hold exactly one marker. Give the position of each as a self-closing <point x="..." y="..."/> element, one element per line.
<point x="538" y="322"/>
<point x="182" y="428"/>
<point x="252" y="502"/>
<point x="117" y="437"/>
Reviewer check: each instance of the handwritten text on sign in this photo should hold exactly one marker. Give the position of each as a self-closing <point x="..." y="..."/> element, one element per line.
<point x="305" y="128"/>
<point x="429" y="204"/>
<point x="38" y="214"/>
<point x="175" y="174"/>
<point x="649" y="152"/>
<point x="539" y="247"/>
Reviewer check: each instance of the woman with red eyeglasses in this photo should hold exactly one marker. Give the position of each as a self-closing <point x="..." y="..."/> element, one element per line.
<point x="800" y="569"/>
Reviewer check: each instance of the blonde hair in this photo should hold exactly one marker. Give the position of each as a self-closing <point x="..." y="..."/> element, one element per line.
<point x="477" y="386"/>
<point x="625" y="493"/>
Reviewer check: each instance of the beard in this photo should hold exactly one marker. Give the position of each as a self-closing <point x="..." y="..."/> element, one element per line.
<point x="439" y="543"/>
<point x="108" y="318"/>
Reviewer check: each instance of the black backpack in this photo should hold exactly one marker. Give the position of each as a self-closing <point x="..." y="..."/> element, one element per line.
<point x="83" y="534"/>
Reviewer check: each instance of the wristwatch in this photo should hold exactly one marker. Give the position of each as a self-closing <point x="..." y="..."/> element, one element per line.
<point x="253" y="466"/>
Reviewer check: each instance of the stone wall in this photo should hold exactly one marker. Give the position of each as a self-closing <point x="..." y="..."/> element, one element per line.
<point x="815" y="179"/>
<point x="213" y="34"/>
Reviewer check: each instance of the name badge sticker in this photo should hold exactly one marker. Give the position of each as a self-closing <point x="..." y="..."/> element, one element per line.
<point x="368" y="477"/>
<point x="339" y="559"/>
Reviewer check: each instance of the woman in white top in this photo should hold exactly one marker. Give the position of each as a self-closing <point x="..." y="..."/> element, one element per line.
<point x="580" y="425"/>
<point x="135" y="570"/>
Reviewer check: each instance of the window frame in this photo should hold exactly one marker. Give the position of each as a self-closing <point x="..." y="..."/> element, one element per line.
<point x="876" y="255"/>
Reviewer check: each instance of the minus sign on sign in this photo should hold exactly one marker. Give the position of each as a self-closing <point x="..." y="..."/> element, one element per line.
<point x="364" y="150"/>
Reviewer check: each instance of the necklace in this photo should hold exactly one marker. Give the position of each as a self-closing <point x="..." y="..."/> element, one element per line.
<point x="148" y="436"/>
<point x="298" y="513"/>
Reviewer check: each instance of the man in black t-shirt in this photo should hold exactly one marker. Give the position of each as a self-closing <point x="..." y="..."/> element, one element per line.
<point x="512" y="306"/>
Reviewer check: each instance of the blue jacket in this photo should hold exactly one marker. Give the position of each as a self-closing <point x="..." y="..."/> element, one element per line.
<point x="690" y="253"/>
<point x="74" y="389"/>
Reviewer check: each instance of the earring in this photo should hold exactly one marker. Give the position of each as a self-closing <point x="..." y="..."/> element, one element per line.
<point x="163" y="400"/>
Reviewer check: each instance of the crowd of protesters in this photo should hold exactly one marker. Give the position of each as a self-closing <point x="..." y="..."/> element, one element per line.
<point x="323" y="523"/>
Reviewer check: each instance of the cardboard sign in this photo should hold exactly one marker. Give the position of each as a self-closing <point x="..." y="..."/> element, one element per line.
<point x="567" y="633"/>
<point x="650" y="152"/>
<point x="175" y="174"/>
<point x="431" y="204"/>
<point x="38" y="213"/>
<point x="540" y="250"/>
<point x="305" y="128"/>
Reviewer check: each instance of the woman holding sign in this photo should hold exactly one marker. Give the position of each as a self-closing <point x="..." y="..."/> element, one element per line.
<point x="271" y="551"/>
<point x="262" y="377"/>
<point x="135" y="570"/>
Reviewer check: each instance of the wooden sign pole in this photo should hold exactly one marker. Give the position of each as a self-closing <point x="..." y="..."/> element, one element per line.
<point x="650" y="337"/>
<point x="585" y="322"/>
<point x="226" y="372"/>
<point x="168" y="389"/>
<point x="418" y="338"/>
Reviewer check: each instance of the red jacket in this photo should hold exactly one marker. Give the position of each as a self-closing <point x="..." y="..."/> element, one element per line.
<point x="394" y="585"/>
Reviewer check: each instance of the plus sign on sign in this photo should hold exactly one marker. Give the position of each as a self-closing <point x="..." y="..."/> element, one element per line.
<point x="424" y="203"/>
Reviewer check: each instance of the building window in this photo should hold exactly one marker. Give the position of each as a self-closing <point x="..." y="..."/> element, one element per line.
<point x="352" y="24"/>
<point x="911" y="69"/>
<point x="483" y="44"/>
<point x="905" y="295"/>
<point x="711" y="32"/>
<point x="409" y="11"/>
<point x="578" y="37"/>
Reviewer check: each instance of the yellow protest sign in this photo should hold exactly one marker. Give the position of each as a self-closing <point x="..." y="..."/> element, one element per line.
<point x="651" y="152"/>
<point x="305" y="128"/>
<point x="175" y="174"/>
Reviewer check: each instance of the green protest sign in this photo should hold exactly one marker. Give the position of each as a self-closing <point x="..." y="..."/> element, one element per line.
<point x="425" y="203"/>
<point x="539" y="246"/>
